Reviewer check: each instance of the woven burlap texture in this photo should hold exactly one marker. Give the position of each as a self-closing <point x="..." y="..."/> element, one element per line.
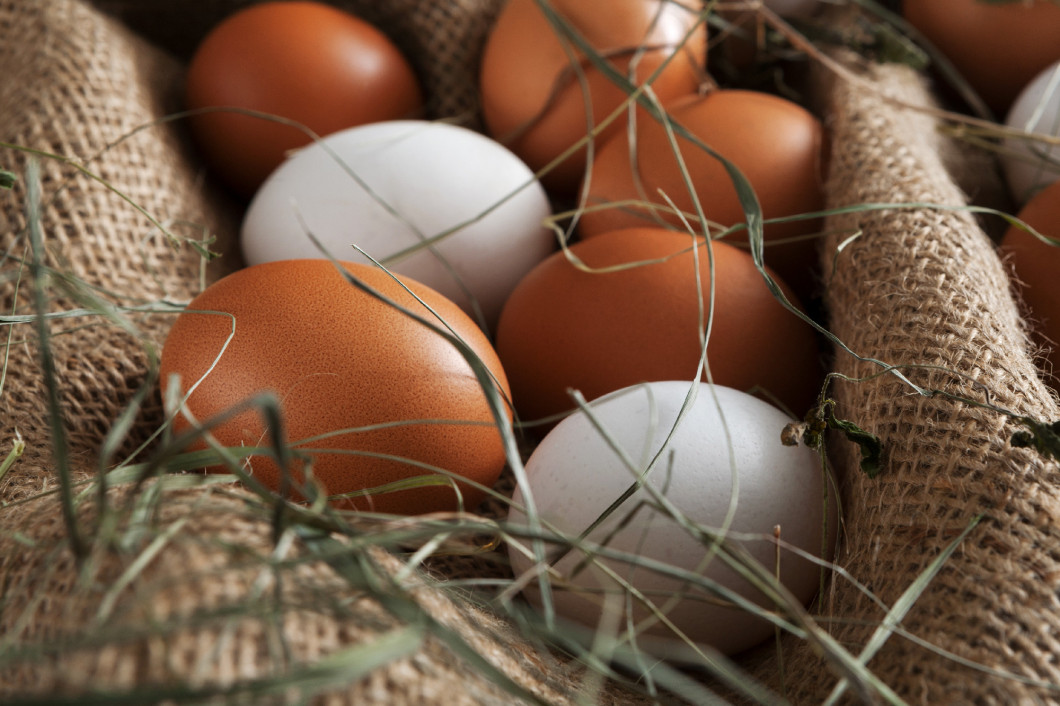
<point x="224" y="610"/>
<point x="73" y="85"/>
<point x="922" y="288"/>
<point x="442" y="39"/>
<point x="161" y="604"/>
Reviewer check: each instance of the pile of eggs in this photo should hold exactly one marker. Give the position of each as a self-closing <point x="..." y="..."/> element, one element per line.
<point x="410" y="296"/>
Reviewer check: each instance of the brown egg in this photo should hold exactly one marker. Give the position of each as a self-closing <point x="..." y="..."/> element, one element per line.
<point x="305" y="61"/>
<point x="533" y="100"/>
<point x="340" y="361"/>
<point x="775" y="143"/>
<point x="1036" y="266"/>
<point x="997" y="47"/>
<point x="597" y="332"/>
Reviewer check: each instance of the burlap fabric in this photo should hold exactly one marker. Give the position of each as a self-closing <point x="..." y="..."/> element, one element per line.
<point x="224" y="611"/>
<point x="77" y="86"/>
<point x="923" y="289"/>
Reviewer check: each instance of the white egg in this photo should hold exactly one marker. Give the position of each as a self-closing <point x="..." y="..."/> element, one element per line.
<point x="713" y="458"/>
<point x="387" y="187"/>
<point x="1032" y="165"/>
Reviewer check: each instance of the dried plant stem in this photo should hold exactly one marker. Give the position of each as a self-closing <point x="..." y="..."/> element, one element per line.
<point x="60" y="451"/>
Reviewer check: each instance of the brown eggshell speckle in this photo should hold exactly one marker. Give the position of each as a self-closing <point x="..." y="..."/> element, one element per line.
<point x="597" y="332"/>
<point x="339" y="359"/>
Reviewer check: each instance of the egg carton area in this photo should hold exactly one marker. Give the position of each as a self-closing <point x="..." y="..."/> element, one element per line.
<point x="131" y="577"/>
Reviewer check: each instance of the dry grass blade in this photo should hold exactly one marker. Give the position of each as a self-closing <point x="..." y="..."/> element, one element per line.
<point x="347" y="544"/>
<point x="901" y="608"/>
<point x="60" y="453"/>
<point x="18" y="446"/>
<point x="328" y="673"/>
<point x="360" y="573"/>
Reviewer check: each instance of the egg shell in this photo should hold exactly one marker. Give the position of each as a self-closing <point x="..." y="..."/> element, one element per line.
<point x="388" y="186"/>
<point x="997" y="47"/>
<point x="596" y="332"/>
<point x="1029" y="164"/>
<point x="534" y="97"/>
<point x="339" y="359"/>
<point x="726" y="448"/>
<point x="775" y="143"/>
<point x="303" y="61"/>
<point x="1035" y="265"/>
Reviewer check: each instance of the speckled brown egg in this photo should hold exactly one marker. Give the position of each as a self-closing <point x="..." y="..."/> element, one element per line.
<point x="539" y="96"/>
<point x="775" y="143"/>
<point x="369" y="395"/>
<point x="303" y="61"/>
<point x="630" y="312"/>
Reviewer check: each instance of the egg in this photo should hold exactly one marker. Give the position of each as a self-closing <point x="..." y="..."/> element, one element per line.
<point x="387" y="188"/>
<point x="1029" y="164"/>
<point x="725" y="451"/>
<point x="634" y="316"/>
<point x="1035" y="264"/>
<point x="535" y="87"/>
<point x="369" y="396"/>
<point x="775" y="143"/>
<point x="997" y="47"/>
<point x="303" y="61"/>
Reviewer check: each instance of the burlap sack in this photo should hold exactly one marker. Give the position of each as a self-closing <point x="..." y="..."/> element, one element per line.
<point x="922" y="288"/>
<point x="222" y="610"/>
<point x="76" y="86"/>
